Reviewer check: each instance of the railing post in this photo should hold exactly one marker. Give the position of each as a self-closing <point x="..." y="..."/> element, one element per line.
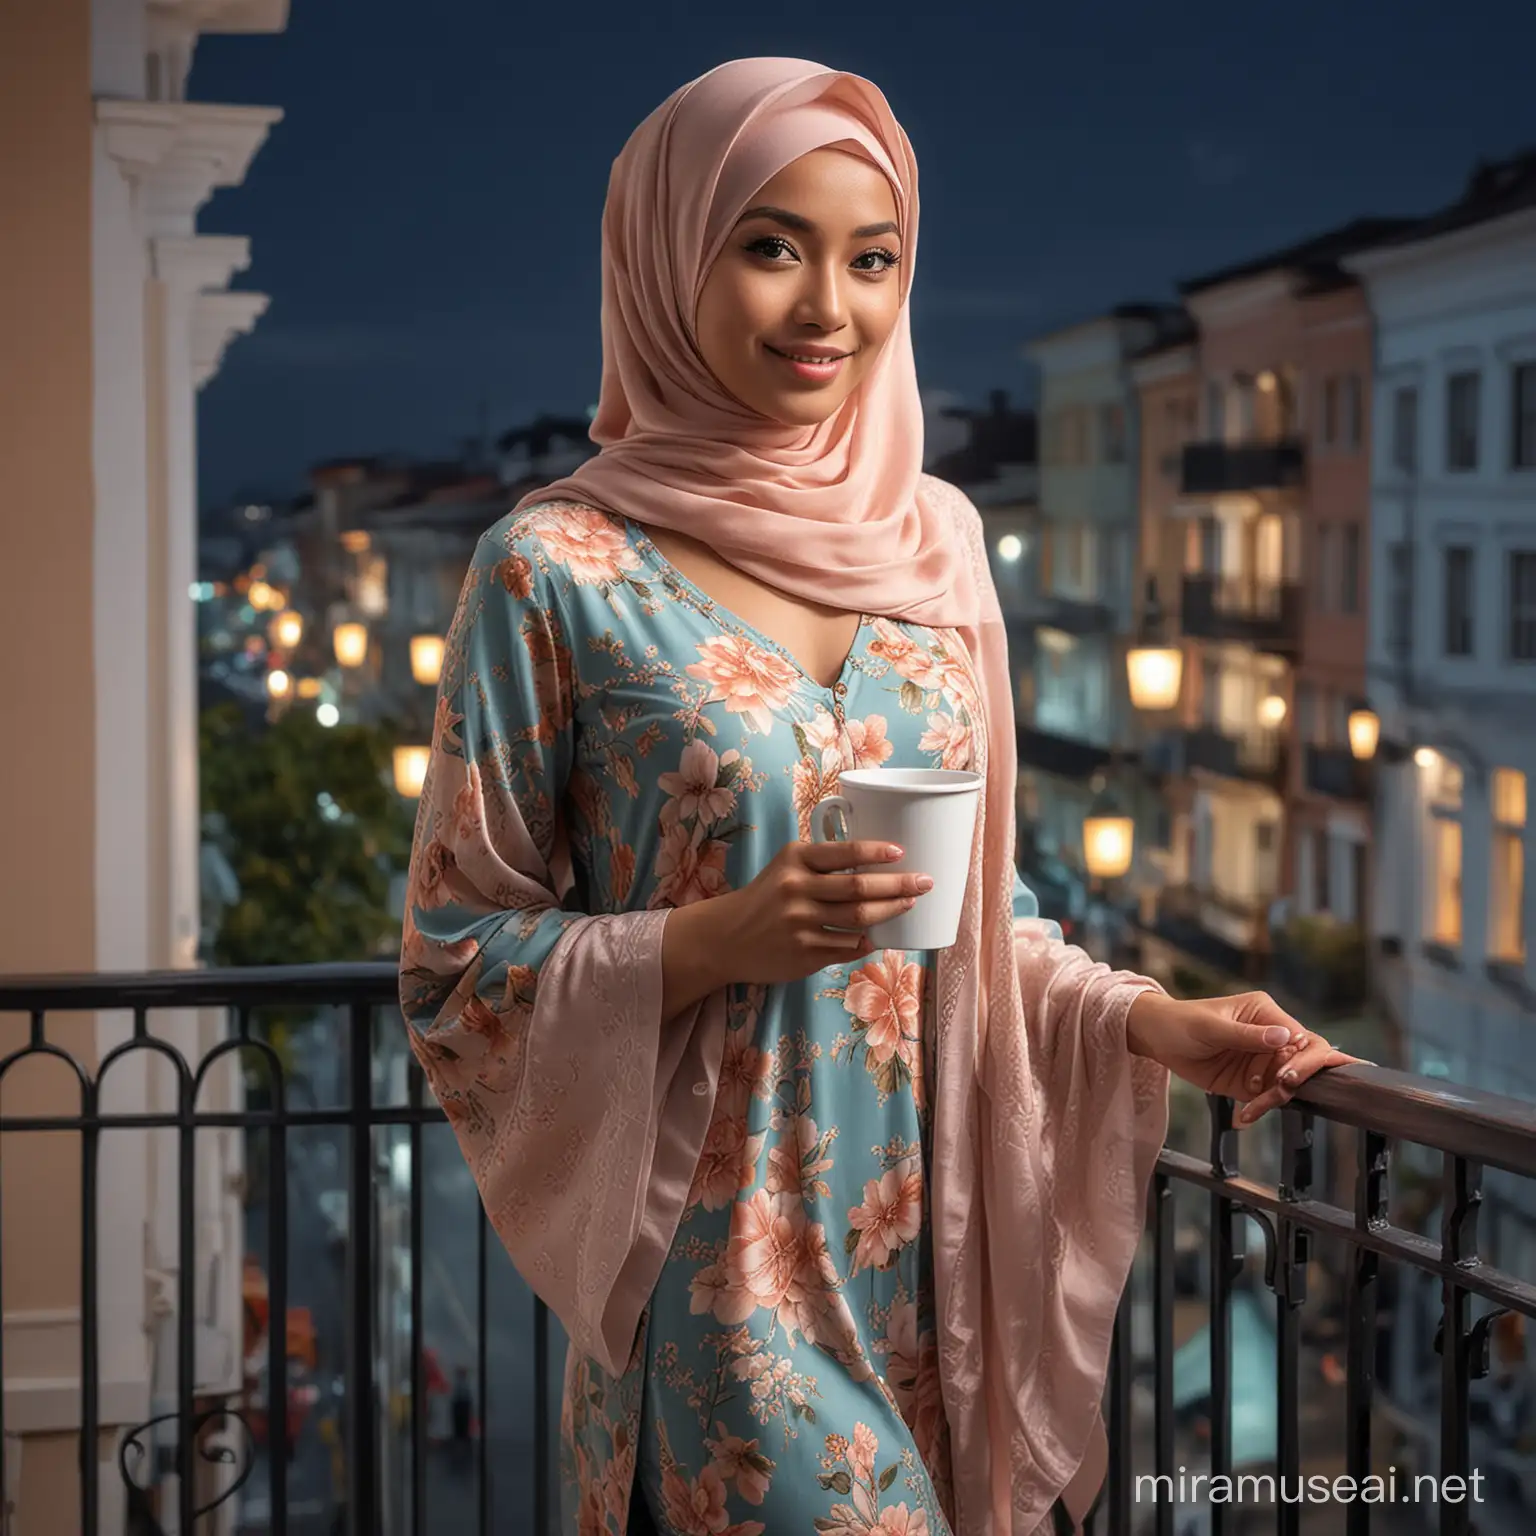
<point x="1360" y="1303"/>
<point x="1294" y="1245"/>
<point x="363" y="1418"/>
<point x="1226" y="1265"/>
<point x="1461" y="1195"/>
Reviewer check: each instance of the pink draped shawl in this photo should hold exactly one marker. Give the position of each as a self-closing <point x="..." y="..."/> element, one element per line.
<point x="1046" y="1127"/>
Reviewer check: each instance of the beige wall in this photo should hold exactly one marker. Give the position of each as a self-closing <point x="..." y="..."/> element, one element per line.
<point x="47" y="901"/>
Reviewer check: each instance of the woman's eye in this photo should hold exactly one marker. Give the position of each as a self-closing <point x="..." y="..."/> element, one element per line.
<point x="771" y="246"/>
<point x="876" y="261"/>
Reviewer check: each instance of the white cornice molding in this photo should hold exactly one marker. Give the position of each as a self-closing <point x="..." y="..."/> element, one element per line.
<point x="1489" y="237"/>
<point x="199" y="263"/>
<point x="1163" y="367"/>
<point x="180" y="152"/>
<point x="217" y="318"/>
<point x="1239" y="298"/>
<point x="221" y="15"/>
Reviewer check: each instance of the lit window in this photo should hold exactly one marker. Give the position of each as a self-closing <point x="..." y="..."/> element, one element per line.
<point x="372" y="589"/>
<point x="1506" y="927"/>
<point x="1443" y="795"/>
<point x="1445" y="908"/>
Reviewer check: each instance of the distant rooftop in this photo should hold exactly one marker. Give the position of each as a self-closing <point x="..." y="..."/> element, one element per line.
<point x="1495" y="189"/>
<point x="1316" y="259"/>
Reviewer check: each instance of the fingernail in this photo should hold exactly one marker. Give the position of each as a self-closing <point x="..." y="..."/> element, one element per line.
<point x="1243" y="1116"/>
<point x="893" y="852"/>
<point x="1255" y="1082"/>
<point x="1289" y="1075"/>
<point x="1301" y="1040"/>
<point x="924" y="883"/>
<point x="1276" y="1035"/>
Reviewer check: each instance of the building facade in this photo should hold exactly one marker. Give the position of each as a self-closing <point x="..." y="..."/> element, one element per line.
<point x="1453" y="627"/>
<point x="1271" y="512"/>
<point x="115" y="312"/>
<point x="1076" y="716"/>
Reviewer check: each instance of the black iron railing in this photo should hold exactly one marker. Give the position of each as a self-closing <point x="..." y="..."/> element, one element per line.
<point x="1264" y="614"/>
<point x="364" y="995"/>
<point x="1211" y="469"/>
<point x="1471" y="1130"/>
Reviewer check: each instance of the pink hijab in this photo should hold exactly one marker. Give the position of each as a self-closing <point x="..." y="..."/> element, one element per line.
<point x="1045" y="1128"/>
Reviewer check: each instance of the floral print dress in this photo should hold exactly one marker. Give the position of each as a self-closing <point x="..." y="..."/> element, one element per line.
<point x="786" y="1377"/>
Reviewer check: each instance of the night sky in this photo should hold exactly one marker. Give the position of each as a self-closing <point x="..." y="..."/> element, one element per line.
<point x="426" y="216"/>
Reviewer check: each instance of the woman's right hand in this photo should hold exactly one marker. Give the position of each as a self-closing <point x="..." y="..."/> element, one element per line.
<point x="776" y="928"/>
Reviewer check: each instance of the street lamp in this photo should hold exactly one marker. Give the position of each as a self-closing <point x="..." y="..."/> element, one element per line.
<point x="278" y="683"/>
<point x="351" y="642"/>
<point x="426" y="658"/>
<point x="1364" y="732"/>
<point x="1153" y="668"/>
<point x="1272" y="711"/>
<point x="1109" y="836"/>
<point x="411" y="770"/>
<point x="287" y="629"/>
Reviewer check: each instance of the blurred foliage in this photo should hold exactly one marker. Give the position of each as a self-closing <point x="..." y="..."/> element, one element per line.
<point x="311" y="825"/>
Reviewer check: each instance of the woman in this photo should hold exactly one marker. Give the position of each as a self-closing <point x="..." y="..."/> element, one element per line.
<point x="838" y="1234"/>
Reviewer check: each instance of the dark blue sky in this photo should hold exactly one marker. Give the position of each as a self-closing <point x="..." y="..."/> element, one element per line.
<point x="426" y="216"/>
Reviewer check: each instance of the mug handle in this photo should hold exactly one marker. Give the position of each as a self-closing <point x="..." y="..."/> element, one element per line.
<point x="819" y="825"/>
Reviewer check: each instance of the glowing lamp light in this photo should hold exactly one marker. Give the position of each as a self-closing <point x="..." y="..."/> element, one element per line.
<point x="259" y="595"/>
<point x="1364" y="733"/>
<point x="1010" y="547"/>
<point x="426" y="658"/>
<point x="1272" y="711"/>
<point x="308" y="688"/>
<point x="1426" y="757"/>
<point x="1109" y="836"/>
<point x="327" y="715"/>
<point x="1155" y="673"/>
<point x="351" y="642"/>
<point x="1108" y="842"/>
<point x="411" y="770"/>
<point x="279" y="684"/>
<point x="287" y="629"/>
<point x="355" y="541"/>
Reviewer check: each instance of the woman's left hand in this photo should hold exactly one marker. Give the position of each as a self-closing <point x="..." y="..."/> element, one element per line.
<point x="1246" y="1048"/>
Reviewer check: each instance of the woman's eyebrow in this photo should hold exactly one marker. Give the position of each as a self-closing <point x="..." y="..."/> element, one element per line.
<point x="799" y="222"/>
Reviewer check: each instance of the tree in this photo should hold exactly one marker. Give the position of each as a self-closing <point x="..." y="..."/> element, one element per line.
<point x="313" y="830"/>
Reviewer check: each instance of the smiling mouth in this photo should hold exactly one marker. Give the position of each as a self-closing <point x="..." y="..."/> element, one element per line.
<point x="815" y="358"/>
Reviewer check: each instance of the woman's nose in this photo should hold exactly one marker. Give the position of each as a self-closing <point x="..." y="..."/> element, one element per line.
<point x="821" y="301"/>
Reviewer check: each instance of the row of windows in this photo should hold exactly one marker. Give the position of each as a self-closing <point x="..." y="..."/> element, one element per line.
<point x="1464" y="421"/>
<point x="1506" y="850"/>
<point x="1075" y="435"/>
<point x="1458" y="587"/>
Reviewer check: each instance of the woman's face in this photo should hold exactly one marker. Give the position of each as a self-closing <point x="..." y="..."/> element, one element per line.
<point x="805" y="291"/>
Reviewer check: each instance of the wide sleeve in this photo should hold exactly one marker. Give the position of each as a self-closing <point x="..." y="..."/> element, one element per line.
<point x="579" y="1110"/>
<point x="1103" y="1116"/>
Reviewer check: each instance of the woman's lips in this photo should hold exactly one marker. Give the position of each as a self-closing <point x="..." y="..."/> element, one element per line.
<point x="807" y="366"/>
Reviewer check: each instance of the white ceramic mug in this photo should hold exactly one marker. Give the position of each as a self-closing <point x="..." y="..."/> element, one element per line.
<point x="931" y="814"/>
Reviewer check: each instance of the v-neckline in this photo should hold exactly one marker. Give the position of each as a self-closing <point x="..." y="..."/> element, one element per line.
<point x="731" y="620"/>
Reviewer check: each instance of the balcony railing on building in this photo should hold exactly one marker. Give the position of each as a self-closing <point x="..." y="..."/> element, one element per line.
<point x="1337" y="772"/>
<point x="1076" y="615"/>
<point x="1323" y="1344"/>
<point x="1263" y="614"/>
<point x="1214" y="469"/>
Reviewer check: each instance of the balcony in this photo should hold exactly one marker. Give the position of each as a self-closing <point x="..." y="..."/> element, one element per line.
<point x="1062" y="755"/>
<point x="1185" y="1385"/>
<point x="1336" y="771"/>
<point x="1076" y="615"/>
<point x="1215" y="469"/>
<point x="1263" y="614"/>
<point x="1259" y="758"/>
